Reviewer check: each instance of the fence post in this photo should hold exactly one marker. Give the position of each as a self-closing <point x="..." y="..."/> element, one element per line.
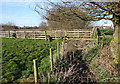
<point x="94" y="32"/>
<point x="8" y="34"/>
<point x="24" y="34"/>
<point x="45" y="35"/>
<point x="58" y="51"/>
<point x="34" y="34"/>
<point x="90" y="34"/>
<point x="63" y="45"/>
<point x="102" y="42"/>
<point x="35" y="71"/>
<point x="51" y="59"/>
<point x="15" y="34"/>
<point x="97" y="37"/>
<point x="97" y="40"/>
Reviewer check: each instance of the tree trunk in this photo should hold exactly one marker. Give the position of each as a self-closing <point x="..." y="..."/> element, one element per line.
<point x="115" y="43"/>
<point x="119" y="41"/>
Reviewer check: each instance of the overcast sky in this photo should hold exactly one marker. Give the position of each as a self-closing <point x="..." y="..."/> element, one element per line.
<point x="22" y="14"/>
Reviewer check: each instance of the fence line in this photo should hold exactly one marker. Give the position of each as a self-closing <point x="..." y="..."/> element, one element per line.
<point x="45" y="34"/>
<point x="54" y="56"/>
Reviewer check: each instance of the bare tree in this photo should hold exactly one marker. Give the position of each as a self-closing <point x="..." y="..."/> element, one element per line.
<point x="103" y="10"/>
<point x="9" y="26"/>
<point x="43" y="25"/>
<point x="59" y="16"/>
<point x="92" y="11"/>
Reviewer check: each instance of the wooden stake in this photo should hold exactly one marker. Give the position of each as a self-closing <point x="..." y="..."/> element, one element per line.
<point x="63" y="45"/>
<point x="97" y="40"/>
<point x="35" y="71"/>
<point x="94" y="33"/>
<point x="58" y="51"/>
<point x="62" y="49"/>
<point x="24" y="34"/>
<point x="16" y="34"/>
<point x="97" y="37"/>
<point x="102" y="42"/>
<point x="65" y="33"/>
<point x="51" y="60"/>
<point x="45" y="35"/>
<point x="70" y="58"/>
<point x="8" y="34"/>
<point x="34" y="34"/>
<point x="91" y="34"/>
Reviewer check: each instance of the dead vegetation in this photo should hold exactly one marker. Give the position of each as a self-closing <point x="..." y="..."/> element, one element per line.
<point x="71" y="68"/>
<point x="100" y="63"/>
<point x="78" y="66"/>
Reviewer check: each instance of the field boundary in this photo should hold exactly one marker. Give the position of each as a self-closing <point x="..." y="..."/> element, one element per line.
<point x="46" y="34"/>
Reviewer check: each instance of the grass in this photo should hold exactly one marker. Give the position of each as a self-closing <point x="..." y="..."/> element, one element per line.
<point x="100" y="60"/>
<point x="107" y="32"/>
<point x="18" y="55"/>
<point x="101" y="65"/>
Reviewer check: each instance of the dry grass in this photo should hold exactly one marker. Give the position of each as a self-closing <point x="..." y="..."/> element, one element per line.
<point x="102" y="66"/>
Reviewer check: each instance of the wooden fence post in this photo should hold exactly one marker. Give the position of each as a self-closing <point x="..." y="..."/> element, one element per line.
<point x="35" y="71"/>
<point x="91" y="34"/>
<point x="78" y="34"/>
<point x="24" y="34"/>
<point x="97" y="37"/>
<point x="94" y="32"/>
<point x="102" y="42"/>
<point x="51" y="59"/>
<point x="58" y="51"/>
<point x="34" y="34"/>
<point x="15" y="34"/>
<point x="63" y="45"/>
<point x="97" y="40"/>
<point x="8" y="34"/>
<point x="45" y="35"/>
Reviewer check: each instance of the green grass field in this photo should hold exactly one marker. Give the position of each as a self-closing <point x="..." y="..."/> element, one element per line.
<point x="18" y="55"/>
